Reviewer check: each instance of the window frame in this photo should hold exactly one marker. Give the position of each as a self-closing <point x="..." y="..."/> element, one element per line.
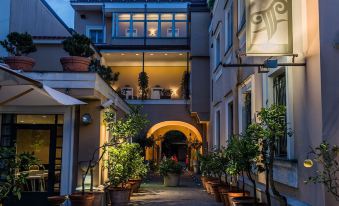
<point x="217" y="50"/>
<point x="228" y="25"/>
<point x="159" y="21"/>
<point x="247" y="85"/>
<point x="241" y="18"/>
<point x="217" y="130"/>
<point x="229" y="120"/>
<point x="96" y="27"/>
<point x="268" y="97"/>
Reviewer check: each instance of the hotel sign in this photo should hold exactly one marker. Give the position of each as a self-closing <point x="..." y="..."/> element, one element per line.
<point x="269" y="27"/>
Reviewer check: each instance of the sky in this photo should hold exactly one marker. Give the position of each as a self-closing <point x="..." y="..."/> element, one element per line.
<point x="64" y="10"/>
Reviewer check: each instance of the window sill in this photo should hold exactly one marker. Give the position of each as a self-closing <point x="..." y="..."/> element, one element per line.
<point x="286" y="171"/>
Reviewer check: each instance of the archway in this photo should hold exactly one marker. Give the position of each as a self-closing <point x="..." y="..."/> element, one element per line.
<point x="174" y="144"/>
<point x="158" y="132"/>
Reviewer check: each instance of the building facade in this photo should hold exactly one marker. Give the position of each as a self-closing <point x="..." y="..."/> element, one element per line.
<point x="308" y="92"/>
<point x="168" y="40"/>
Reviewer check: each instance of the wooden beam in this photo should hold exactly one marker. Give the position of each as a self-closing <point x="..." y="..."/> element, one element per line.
<point x="16" y="96"/>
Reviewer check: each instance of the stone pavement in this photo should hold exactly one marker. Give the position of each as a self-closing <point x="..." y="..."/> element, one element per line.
<point x="187" y="194"/>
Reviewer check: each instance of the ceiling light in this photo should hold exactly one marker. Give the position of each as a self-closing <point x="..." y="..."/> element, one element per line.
<point x="122" y="54"/>
<point x="165" y="54"/>
<point x="180" y="54"/>
<point x="44" y="116"/>
<point x="151" y="54"/>
<point x="137" y="54"/>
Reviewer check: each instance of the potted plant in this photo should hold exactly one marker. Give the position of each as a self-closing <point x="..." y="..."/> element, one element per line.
<point x="79" y="48"/>
<point x="139" y="169"/>
<point x="119" y="167"/>
<point x="196" y="145"/>
<point x="166" y="93"/>
<point x="19" y="44"/>
<point x="170" y="170"/>
<point x="185" y="85"/>
<point x="143" y="84"/>
<point x="15" y="179"/>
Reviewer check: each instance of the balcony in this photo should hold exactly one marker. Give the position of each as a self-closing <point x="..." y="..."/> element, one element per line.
<point x="131" y="1"/>
<point x="165" y="71"/>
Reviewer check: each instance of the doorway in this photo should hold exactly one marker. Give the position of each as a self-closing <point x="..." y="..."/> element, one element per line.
<point x="175" y="144"/>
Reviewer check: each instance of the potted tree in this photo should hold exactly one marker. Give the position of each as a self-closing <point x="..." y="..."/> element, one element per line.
<point x="143" y="84"/>
<point x="104" y="72"/>
<point x="16" y="179"/>
<point x="170" y="170"/>
<point x="166" y="94"/>
<point x="79" y="49"/>
<point x="139" y="169"/>
<point x="19" y="44"/>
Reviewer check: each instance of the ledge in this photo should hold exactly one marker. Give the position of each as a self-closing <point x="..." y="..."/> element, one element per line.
<point x="286" y="172"/>
<point x="160" y="101"/>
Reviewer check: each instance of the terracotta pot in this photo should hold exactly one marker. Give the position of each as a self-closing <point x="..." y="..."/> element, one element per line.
<point x="77" y="199"/>
<point x="135" y="183"/>
<point x="119" y="196"/>
<point x="215" y="186"/>
<point x="75" y="64"/>
<point x="20" y="63"/>
<point x="172" y="180"/>
<point x="243" y="201"/>
<point x="56" y="200"/>
<point x="209" y="186"/>
<point x="203" y="181"/>
<point x="231" y="195"/>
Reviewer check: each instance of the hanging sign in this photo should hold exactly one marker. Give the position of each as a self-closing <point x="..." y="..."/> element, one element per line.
<point x="269" y="27"/>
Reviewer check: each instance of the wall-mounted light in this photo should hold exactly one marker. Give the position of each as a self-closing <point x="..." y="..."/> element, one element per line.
<point x="86" y="119"/>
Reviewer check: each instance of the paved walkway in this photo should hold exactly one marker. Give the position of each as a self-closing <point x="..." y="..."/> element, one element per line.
<point x="187" y="194"/>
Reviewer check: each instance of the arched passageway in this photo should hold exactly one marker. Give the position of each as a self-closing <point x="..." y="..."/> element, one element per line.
<point x="174" y="138"/>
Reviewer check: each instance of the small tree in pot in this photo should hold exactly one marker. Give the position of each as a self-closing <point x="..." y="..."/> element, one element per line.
<point x="170" y="170"/>
<point x="143" y="84"/>
<point x="79" y="48"/>
<point x="19" y="44"/>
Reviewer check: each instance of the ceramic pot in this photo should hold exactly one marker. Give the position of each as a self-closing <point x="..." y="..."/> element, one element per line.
<point x="56" y="200"/>
<point x="119" y="196"/>
<point x="172" y="180"/>
<point x="20" y="63"/>
<point x="75" y="64"/>
<point x="77" y="199"/>
<point x="243" y="201"/>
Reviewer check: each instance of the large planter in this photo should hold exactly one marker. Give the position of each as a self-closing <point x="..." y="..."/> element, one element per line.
<point x="231" y="195"/>
<point x="135" y="184"/>
<point x="245" y="200"/>
<point x="75" y="64"/>
<point x="196" y="166"/>
<point x="20" y="63"/>
<point x="119" y="196"/>
<point x="215" y="190"/>
<point x="78" y="199"/>
<point x="172" y="180"/>
<point x="56" y="200"/>
<point x="209" y="183"/>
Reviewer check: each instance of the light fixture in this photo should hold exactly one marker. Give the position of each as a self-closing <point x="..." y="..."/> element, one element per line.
<point x="122" y="54"/>
<point x="137" y="54"/>
<point x="165" y="54"/>
<point x="151" y="54"/>
<point x="308" y="163"/>
<point x="44" y="116"/>
<point x="180" y="54"/>
<point x="86" y="119"/>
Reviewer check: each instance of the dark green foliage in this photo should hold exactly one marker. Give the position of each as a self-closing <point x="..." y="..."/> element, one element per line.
<point x="185" y="85"/>
<point x="327" y="157"/>
<point x="169" y="166"/>
<point x="105" y="73"/>
<point x="143" y="84"/>
<point x="19" y="44"/>
<point x="166" y="92"/>
<point x="210" y="4"/>
<point x="14" y="163"/>
<point x="78" y="45"/>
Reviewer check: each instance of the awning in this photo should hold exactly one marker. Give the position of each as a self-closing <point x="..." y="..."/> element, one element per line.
<point x="19" y="90"/>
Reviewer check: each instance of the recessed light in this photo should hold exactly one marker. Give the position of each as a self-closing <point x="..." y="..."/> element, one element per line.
<point x="165" y="54"/>
<point x="44" y="116"/>
<point x="22" y="121"/>
<point x="137" y="54"/>
<point x="180" y="54"/>
<point x="122" y="54"/>
<point x="151" y="54"/>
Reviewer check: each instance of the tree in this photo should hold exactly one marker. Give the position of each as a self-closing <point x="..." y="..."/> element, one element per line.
<point x="327" y="156"/>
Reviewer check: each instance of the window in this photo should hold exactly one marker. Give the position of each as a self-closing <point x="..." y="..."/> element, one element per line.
<point x="165" y="25"/>
<point x="96" y="34"/>
<point x="246" y="107"/>
<point x="130" y="25"/>
<point x="241" y="14"/>
<point x="217" y="131"/>
<point x="229" y="119"/>
<point x="229" y="27"/>
<point x="217" y="51"/>
<point x="279" y="97"/>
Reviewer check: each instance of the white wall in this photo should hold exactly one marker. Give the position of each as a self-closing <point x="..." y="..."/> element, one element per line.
<point x="4" y="23"/>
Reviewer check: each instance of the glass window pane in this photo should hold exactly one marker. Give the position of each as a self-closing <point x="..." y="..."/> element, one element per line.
<point x="152" y="16"/>
<point x="100" y="36"/>
<point x="166" y="16"/>
<point x="180" y="29"/>
<point x="166" y="29"/>
<point x="181" y="16"/>
<point x="124" y="17"/>
<point x="138" y="29"/>
<point x="139" y="17"/>
<point x="92" y="36"/>
<point x="152" y="29"/>
<point x="124" y="29"/>
<point x="60" y="119"/>
<point x="36" y="119"/>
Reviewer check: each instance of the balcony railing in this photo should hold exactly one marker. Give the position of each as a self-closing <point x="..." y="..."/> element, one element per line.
<point x="132" y="1"/>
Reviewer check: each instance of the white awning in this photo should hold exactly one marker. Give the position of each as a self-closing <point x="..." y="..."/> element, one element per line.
<point x="19" y="90"/>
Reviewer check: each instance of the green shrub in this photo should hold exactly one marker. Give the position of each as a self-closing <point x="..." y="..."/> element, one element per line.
<point x="78" y="45"/>
<point x="169" y="166"/>
<point x="19" y="44"/>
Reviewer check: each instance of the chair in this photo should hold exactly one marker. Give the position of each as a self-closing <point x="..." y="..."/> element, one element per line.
<point x="156" y="92"/>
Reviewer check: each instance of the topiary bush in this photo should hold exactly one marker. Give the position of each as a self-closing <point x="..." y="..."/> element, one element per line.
<point x="19" y="44"/>
<point x="78" y="45"/>
<point x="169" y="166"/>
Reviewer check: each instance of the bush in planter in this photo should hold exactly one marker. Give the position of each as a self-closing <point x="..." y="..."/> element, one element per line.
<point x="105" y="73"/>
<point x="143" y="84"/>
<point x="12" y="186"/>
<point x="19" y="44"/>
<point x="166" y="93"/>
<point x="170" y="170"/>
<point x="79" y="48"/>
